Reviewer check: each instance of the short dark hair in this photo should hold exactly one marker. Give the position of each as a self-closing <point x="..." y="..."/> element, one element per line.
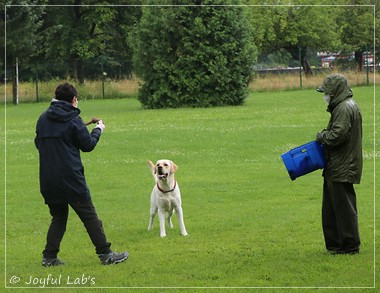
<point x="65" y="92"/>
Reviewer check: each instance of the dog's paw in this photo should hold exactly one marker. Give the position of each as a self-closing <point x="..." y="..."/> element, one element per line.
<point x="185" y="234"/>
<point x="163" y="235"/>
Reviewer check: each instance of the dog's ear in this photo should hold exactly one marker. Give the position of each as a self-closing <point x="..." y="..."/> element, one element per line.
<point x="174" y="167"/>
<point x="152" y="166"/>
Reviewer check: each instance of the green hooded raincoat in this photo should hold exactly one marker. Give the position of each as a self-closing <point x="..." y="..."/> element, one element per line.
<point x="343" y="137"/>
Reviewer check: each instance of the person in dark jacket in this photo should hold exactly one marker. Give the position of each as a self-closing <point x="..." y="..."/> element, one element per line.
<point x="60" y="136"/>
<point x="343" y="146"/>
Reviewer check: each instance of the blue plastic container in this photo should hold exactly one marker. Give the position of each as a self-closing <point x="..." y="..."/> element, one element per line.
<point x="304" y="159"/>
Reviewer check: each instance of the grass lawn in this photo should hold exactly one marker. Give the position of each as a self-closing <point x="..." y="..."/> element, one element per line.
<point x="249" y="225"/>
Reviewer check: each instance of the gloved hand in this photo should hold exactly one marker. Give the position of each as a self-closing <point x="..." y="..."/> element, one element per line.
<point x="100" y="125"/>
<point x="319" y="137"/>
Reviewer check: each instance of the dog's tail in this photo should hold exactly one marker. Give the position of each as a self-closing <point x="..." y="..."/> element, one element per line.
<point x="152" y="168"/>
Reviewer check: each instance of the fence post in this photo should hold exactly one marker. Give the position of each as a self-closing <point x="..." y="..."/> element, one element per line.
<point x="103" y="77"/>
<point x="103" y="86"/>
<point x="299" y="56"/>
<point x="37" y="97"/>
<point x="15" y="83"/>
<point x="366" y="63"/>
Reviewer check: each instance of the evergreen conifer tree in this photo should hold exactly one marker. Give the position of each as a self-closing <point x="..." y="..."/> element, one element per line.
<point x="198" y="55"/>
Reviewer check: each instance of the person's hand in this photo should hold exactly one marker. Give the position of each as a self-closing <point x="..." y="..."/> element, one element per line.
<point x="100" y="125"/>
<point x="319" y="137"/>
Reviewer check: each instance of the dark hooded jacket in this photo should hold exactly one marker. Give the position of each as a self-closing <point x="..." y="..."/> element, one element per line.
<point x="343" y="137"/>
<point x="60" y="136"/>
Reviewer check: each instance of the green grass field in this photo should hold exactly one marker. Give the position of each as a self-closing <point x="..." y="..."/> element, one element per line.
<point x="249" y="225"/>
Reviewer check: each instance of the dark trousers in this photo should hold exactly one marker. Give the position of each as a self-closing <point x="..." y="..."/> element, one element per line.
<point x="87" y="213"/>
<point x="339" y="217"/>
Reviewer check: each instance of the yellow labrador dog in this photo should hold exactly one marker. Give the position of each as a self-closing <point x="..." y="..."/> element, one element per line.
<point x="165" y="197"/>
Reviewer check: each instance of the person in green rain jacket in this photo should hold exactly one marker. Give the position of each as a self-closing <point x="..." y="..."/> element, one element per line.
<point x="342" y="140"/>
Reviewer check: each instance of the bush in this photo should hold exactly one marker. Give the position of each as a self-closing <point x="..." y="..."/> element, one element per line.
<point x="197" y="56"/>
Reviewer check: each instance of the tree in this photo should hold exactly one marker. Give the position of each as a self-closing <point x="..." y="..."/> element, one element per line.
<point x="199" y="55"/>
<point x="78" y="33"/>
<point x="118" y="47"/>
<point x="296" y="28"/>
<point x="23" y="19"/>
<point x="74" y="33"/>
<point x="356" y="22"/>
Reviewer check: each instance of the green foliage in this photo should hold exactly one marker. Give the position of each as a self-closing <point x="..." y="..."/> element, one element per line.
<point x="249" y="225"/>
<point x="298" y="25"/>
<point x="89" y="34"/>
<point x="296" y="28"/>
<point x="70" y="38"/>
<point x="356" y="24"/>
<point x="23" y="21"/>
<point x="196" y="56"/>
<point x="82" y="38"/>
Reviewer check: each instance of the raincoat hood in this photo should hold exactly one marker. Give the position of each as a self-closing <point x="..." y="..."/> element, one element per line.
<point x="62" y="111"/>
<point x="335" y="85"/>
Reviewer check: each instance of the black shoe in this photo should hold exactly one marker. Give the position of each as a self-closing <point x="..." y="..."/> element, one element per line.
<point x="51" y="262"/>
<point x="351" y="251"/>
<point x="112" y="257"/>
<point x="344" y="252"/>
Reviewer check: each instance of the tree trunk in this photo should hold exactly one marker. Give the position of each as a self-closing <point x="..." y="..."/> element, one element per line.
<point x="359" y="60"/>
<point x="306" y="66"/>
<point x="80" y="71"/>
<point x="77" y="71"/>
<point x="78" y="63"/>
<point x="15" y="83"/>
<point x="295" y="52"/>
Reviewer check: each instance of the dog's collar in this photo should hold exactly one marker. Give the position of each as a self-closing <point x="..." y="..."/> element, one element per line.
<point x="167" y="191"/>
